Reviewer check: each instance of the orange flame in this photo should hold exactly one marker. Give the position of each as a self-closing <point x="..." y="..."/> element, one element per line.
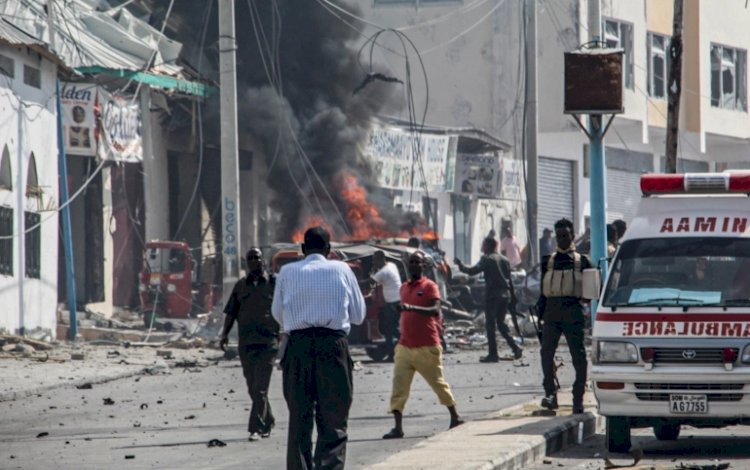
<point x="363" y="217"/>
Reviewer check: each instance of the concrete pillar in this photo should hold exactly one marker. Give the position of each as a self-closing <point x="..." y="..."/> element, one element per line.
<point x="155" y="178"/>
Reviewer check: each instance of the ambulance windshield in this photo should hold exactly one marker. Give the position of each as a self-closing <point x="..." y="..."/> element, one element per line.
<point x="680" y="272"/>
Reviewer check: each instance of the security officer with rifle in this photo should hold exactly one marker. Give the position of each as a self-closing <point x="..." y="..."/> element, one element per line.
<point x="561" y="309"/>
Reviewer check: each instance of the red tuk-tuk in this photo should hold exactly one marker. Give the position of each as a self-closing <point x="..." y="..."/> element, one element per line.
<point x="168" y="282"/>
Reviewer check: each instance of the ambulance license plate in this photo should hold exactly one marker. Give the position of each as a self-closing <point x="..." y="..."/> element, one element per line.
<point x="688" y="404"/>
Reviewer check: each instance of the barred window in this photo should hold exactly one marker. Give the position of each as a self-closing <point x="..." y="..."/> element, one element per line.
<point x="6" y="241"/>
<point x="33" y="244"/>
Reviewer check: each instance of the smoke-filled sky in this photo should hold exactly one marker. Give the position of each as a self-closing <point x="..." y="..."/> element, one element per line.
<point x="315" y="117"/>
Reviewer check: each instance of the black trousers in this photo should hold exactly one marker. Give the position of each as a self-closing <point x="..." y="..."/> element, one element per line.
<point x="388" y="319"/>
<point x="257" y="366"/>
<point x="494" y="315"/>
<point x="317" y="386"/>
<point x="573" y="331"/>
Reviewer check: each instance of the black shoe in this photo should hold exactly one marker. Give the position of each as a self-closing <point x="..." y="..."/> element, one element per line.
<point x="577" y="410"/>
<point x="550" y="402"/>
<point x="518" y="354"/>
<point x="394" y="434"/>
<point x="489" y="358"/>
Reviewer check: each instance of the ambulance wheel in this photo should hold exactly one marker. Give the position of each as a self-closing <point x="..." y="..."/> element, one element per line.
<point x="377" y="353"/>
<point x="618" y="434"/>
<point x="666" y="431"/>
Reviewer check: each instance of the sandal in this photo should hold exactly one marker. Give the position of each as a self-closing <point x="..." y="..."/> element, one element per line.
<point x="393" y="434"/>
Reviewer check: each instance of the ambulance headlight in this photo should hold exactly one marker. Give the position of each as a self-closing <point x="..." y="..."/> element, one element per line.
<point x="171" y="288"/>
<point x="614" y="352"/>
<point x="746" y="354"/>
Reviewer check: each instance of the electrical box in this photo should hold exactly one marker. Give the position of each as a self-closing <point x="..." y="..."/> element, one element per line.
<point x="593" y="81"/>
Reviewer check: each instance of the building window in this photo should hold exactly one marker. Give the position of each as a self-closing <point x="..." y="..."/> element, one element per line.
<point x="658" y="65"/>
<point x="33" y="244"/>
<point x="6" y="241"/>
<point x="32" y="76"/>
<point x="7" y="66"/>
<point x="619" y="35"/>
<point x="728" y="78"/>
<point x="6" y="174"/>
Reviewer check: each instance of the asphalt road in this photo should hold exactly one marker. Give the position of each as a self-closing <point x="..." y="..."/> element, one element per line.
<point x="166" y="420"/>
<point x="704" y="449"/>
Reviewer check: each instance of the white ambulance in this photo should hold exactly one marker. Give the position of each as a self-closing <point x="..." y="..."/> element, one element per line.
<point x="671" y="339"/>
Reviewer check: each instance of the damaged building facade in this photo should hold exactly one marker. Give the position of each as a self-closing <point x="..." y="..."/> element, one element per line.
<point x="126" y="108"/>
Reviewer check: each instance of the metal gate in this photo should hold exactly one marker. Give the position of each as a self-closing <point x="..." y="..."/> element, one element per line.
<point x="556" y="192"/>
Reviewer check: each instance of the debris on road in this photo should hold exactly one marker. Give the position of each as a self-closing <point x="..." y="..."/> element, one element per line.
<point x="216" y="443"/>
<point x="42" y="434"/>
<point x="86" y="386"/>
<point x="109" y="401"/>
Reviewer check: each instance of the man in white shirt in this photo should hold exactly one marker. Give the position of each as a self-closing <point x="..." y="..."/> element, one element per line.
<point x="316" y="301"/>
<point x="388" y="277"/>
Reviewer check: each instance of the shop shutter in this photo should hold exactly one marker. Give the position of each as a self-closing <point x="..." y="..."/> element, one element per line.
<point x="623" y="194"/>
<point x="555" y="193"/>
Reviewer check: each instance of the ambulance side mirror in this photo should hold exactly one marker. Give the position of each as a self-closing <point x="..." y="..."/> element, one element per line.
<point x="591" y="283"/>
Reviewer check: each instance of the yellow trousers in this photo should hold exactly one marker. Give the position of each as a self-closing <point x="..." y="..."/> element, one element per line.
<point x="428" y="361"/>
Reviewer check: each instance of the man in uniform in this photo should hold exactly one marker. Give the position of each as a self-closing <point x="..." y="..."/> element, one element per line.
<point x="562" y="311"/>
<point x="499" y="294"/>
<point x="250" y="305"/>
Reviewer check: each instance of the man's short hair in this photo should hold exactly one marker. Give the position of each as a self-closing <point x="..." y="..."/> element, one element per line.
<point x="564" y="223"/>
<point x="254" y="251"/>
<point x="413" y="242"/>
<point x="490" y="242"/>
<point x="379" y="253"/>
<point x="317" y="238"/>
<point x="620" y="226"/>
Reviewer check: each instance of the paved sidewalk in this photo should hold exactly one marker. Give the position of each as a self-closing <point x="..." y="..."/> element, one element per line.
<point x="507" y="439"/>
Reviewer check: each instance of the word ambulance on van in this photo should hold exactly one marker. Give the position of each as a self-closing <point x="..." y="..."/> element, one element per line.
<point x="671" y="340"/>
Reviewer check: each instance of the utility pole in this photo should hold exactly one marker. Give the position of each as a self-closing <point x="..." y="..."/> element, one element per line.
<point x="674" y="88"/>
<point x="597" y="169"/>
<point x="70" y="278"/>
<point x="532" y="158"/>
<point x="230" y="198"/>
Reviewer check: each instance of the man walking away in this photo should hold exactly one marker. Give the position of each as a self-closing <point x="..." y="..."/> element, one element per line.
<point x="419" y="348"/>
<point x="250" y="305"/>
<point x="388" y="277"/>
<point x="561" y="309"/>
<point x="499" y="294"/>
<point x="316" y="301"/>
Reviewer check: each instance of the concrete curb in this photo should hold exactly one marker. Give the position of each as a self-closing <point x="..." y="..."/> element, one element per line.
<point x="505" y="440"/>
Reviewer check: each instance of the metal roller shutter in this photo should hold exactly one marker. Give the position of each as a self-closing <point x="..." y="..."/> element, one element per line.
<point x="623" y="194"/>
<point x="555" y="192"/>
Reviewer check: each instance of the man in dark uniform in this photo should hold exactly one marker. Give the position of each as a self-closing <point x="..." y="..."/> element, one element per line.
<point x="499" y="294"/>
<point x="562" y="311"/>
<point x="250" y="305"/>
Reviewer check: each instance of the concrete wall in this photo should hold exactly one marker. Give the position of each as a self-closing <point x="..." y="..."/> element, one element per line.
<point x="29" y="125"/>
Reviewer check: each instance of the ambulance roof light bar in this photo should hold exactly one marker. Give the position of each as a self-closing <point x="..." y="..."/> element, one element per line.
<point x="695" y="183"/>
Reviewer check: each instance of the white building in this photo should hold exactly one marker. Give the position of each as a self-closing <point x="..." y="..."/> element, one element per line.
<point x="28" y="184"/>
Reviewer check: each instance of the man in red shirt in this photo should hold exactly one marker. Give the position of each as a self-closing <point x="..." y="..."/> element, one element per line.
<point x="418" y="348"/>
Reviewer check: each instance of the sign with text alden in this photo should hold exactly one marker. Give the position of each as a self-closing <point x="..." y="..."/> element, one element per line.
<point x="79" y="122"/>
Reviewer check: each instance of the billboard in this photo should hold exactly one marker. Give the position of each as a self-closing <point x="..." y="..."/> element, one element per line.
<point x="392" y="151"/>
<point x="121" y="128"/>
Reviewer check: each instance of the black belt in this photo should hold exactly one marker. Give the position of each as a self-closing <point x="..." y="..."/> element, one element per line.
<point x="318" y="331"/>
